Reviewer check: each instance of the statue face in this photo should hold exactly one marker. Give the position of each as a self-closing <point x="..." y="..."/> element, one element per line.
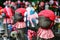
<point x="18" y="16"/>
<point x="44" y="22"/>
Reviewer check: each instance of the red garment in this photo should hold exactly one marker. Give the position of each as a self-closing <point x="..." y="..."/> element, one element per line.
<point x="0" y="7"/>
<point x="8" y="11"/>
<point x="7" y="20"/>
<point x="0" y="10"/>
<point x="48" y="13"/>
<point x="31" y="34"/>
<point x="21" y="10"/>
<point x="45" y="33"/>
<point x="19" y="25"/>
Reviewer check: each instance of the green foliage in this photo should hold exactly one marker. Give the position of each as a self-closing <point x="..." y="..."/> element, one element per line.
<point x="1" y="2"/>
<point x="38" y="0"/>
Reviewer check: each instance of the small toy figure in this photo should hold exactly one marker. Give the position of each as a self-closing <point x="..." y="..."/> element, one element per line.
<point x="46" y="21"/>
<point x="19" y="23"/>
<point x="8" y="20"/>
